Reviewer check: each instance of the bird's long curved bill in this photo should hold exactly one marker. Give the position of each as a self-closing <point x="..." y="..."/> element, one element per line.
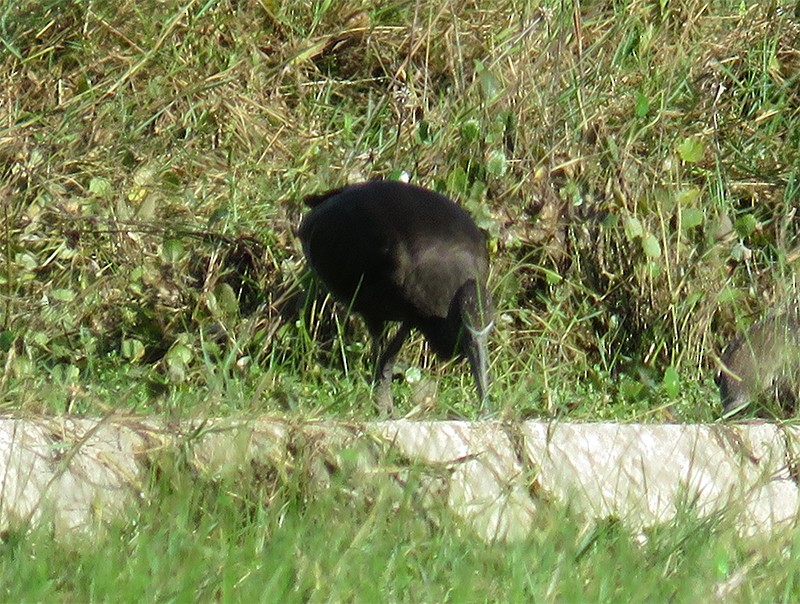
<point x="478" y="355"/>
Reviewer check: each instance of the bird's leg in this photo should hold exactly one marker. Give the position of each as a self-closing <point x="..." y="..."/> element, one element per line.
<point x="384" y="367"/>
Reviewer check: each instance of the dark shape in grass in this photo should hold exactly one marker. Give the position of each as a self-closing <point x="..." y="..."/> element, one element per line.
<point x="762" y="366"/>
<point x="397" y="252"/>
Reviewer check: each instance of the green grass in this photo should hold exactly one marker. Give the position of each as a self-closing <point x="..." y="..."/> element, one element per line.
<point x="195" y="540"/>
<point x="637" y="178"/>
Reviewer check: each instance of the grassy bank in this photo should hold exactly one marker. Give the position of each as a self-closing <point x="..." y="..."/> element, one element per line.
<point x="634" y="164"/>
<point x="220" y="541"/>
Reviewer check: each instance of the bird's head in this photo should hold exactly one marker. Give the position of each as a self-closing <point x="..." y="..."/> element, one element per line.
<point x="732" y="392"/>
<point x="476" y="315"/>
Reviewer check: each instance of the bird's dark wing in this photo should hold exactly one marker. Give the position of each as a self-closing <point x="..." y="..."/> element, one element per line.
<point x="357" y="261"/>
<point x="434" y="273"/>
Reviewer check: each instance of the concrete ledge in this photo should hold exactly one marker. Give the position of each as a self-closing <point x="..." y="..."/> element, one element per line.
<point x="76" y="473"/>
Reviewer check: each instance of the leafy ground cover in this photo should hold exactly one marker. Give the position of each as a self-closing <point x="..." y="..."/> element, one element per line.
<point x="634" y="164"/>
<point x="263" y="539"/>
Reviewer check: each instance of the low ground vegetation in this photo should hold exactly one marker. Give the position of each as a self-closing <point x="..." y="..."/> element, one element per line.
<point x="636" y="166"/>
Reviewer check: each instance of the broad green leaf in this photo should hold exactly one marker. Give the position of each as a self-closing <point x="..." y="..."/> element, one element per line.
<point x="100" y="187"/>
<point x="62" y="295"/>
<point x="633" y="228"/>
<point x="457" y="180"/>
<point x="688" y="197"/>
<point x="226" y="301"/>
<point x="172" y="250"/>
<point x="496" y="164"/>
<point x="132" y="349"/>
<point x="671" y="382"/>
<point x="470" y="130"/>
<point x="26" y="260"/>
<point x="651" y="246"/>
<point x="490" y="85"/>
<point x="630" y="389"/>
<point x="177" y="359"/>
<point x="66" y="373"/>
<point x="691" y="150"/>
<point x="691" y="218"/>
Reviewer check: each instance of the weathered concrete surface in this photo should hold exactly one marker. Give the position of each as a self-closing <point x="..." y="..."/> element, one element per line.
<point x="75" y="473"/>
<point x="645" y="474"/>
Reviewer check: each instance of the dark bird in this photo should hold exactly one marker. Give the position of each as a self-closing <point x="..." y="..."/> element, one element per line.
<point x="392" y="251"/>
<point x="762" y="365"/>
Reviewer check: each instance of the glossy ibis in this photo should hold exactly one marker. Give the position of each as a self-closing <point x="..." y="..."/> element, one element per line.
<point x="392" y="251"/>
<point x="762" y="365"/>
